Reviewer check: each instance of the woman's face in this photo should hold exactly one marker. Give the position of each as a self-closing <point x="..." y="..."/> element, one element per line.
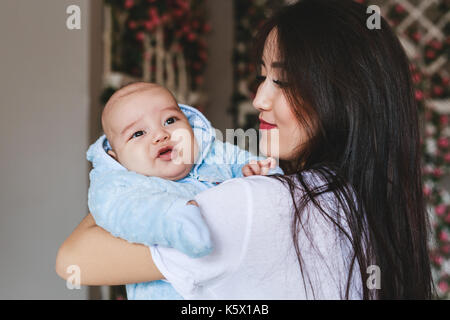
<point x="280" y="131"/>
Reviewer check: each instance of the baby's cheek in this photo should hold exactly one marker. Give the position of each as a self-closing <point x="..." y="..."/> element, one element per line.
<point x="187" y="148"/>
<point x="138" y="161"/>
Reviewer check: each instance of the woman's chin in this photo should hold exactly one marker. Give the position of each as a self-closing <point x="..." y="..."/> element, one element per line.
<point x="268" y="150"/>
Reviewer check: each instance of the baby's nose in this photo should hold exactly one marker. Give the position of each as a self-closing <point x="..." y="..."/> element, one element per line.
<point x="161" y="137"/>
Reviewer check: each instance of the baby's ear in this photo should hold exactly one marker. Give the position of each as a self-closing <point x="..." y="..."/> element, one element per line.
<point x="112" y="154"/>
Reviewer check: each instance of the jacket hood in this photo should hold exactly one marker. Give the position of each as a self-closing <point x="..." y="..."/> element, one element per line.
<point x="203" y="131"/>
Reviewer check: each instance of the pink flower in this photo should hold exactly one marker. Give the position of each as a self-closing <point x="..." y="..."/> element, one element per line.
<point x="443" y="286"/>
<point x="445" y="249"/>
<point x="152" y="12"/>
<point x="430" y="54"/>
<point x="416" y="78"/>
<point x="191" y="36"/>
<point x="440" y="210"/>
<point x="416" y="36"/>
<point x="447" y="219"/>
<point x="154" y="16"/>
<point x="419" y="94"/>
<point x="438" y="90"/>
<point x="128" y="4"/>
<point x="183" y="4"/>
<point x="165" y="18"/>
<point x="443" y="236"/>
<point x="443" y="142"/>
<point x="438" y="260"/>
<point x="447" y="157"/>
<point x="178" y="13"/>
<point x="437" y="172"/>
<point x="149" y="25"/>
<point x="132" y="25"/>
<point x="444" y="120"/>
<point x="140" y="36"/>
<point x="436" y="45"/>
<point x="426" y="191"/>
<point x="399" y="9"/>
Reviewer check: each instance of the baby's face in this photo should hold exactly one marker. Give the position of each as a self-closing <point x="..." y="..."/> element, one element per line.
<point x="150" y="135"/>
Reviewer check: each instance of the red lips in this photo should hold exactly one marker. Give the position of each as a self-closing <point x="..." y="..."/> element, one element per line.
<point x="264" y="125"/>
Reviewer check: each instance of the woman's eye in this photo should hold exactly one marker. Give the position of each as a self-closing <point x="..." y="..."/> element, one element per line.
<point x="170" y="121"/>
<point x="281" y="84"/>
<point x="260" y="79"/>
<point x="138" y="134"/>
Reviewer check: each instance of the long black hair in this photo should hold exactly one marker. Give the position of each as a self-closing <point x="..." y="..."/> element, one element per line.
<point x="351" y="90"/>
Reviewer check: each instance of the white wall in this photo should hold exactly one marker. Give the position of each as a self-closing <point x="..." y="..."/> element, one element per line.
<point x="219" y="72"/>
<point x="44" y="98"/>
<point x="47" y="76"/>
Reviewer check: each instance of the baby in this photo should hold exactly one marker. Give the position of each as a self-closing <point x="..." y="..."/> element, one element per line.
<point x="155" y="157"/>
<point x="140" y="121"/>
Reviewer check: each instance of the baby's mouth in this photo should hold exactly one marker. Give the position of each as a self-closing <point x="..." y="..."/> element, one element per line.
<point x="165" y="153"/>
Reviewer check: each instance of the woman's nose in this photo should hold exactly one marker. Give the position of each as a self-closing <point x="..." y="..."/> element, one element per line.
<point x="262" y="101"/>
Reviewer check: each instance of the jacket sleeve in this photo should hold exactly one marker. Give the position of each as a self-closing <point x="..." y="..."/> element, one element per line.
<point x="147" y="210"/>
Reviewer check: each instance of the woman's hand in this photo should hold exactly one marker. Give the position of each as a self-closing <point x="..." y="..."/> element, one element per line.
<point x="104" y="259"/>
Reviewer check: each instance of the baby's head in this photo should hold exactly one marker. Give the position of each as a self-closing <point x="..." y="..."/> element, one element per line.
<point x="148" y="132"/>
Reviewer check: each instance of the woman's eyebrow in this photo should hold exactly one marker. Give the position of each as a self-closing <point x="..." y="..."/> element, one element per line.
<point x="277" y="64"/>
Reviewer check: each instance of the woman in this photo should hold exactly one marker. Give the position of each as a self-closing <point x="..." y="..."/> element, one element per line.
<point x="340" y="98"/>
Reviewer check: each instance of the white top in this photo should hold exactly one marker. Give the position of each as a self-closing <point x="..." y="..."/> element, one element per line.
<point x="254" y="256"/>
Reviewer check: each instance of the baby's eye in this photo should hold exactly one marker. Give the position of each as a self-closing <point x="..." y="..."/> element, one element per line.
<point x="138" y="134"/>
<point x="170" y="121"/>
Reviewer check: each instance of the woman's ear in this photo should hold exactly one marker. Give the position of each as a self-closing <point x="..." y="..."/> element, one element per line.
<point x="112" y="154"/>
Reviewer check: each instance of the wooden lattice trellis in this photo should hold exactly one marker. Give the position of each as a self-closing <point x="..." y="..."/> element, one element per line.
<point x="165" y="44"/>
<point x="420" y="16"/>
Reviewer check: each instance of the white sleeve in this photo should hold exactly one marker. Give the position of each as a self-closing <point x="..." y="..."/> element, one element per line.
<point x="227" y="212"/>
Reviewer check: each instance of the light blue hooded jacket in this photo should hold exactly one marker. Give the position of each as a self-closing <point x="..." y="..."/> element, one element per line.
<point x="152" y="210"/>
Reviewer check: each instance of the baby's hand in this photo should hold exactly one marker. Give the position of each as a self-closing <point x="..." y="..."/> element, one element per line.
<point x="259" y="167"/>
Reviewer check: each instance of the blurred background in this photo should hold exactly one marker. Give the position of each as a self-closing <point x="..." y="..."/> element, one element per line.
<point x="60" y="60"/>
